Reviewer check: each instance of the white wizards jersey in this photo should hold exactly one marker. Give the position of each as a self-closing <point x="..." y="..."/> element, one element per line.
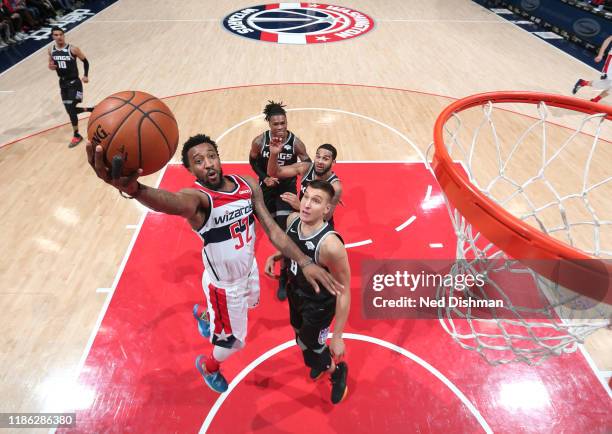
<point x="229" y="233"/>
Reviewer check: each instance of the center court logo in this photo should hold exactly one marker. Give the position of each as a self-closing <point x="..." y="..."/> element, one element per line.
<point x="298" y="23"/>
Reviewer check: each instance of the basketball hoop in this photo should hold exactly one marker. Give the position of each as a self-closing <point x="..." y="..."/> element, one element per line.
<point x="528" y="181"/>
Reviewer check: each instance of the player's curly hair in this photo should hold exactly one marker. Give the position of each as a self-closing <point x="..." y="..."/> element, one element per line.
<point x="196" y="140"/>
<point x="274" y="108"/>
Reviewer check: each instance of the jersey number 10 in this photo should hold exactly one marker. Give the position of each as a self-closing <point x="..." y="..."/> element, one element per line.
<point x="61" y="64"/>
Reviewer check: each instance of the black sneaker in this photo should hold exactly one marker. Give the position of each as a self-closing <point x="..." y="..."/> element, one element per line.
<point x="281" y="292"/>
<point x="577" y="86"/>
<point x="315" y="374"/>
<point x="338" y="381"/>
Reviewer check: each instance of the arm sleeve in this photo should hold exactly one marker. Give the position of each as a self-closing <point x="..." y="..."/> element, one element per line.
<point x="86" y="66"/>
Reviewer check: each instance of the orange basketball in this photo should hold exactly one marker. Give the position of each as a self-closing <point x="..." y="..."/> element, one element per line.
<point x="136" y="126"/>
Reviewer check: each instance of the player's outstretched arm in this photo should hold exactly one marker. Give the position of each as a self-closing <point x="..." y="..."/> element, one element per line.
<point x="333" y="255"/>
<point x="314" y="274"/>
<point x="185" y="203"/>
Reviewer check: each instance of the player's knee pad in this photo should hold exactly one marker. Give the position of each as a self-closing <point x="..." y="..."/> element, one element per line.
<point x="317" y="360"/>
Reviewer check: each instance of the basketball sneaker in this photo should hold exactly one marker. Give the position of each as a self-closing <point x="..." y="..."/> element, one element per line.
<point x="580" y="83"/>
<point x="75" y="141"/>
<point x="338" y="381"/>
<point x="315" y="374"/>
<point x="203" y="321"/>
<point x="214" y="380"/>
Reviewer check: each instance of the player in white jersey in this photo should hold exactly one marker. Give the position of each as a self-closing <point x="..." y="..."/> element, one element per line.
<point x="220" y="208"/>
<point x="605" y="81"/>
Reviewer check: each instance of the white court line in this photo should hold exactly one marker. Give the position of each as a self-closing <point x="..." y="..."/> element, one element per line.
<point x="390" y="128"/>
<point x="405" y="224"/>
<point x="499" y="17"/>
<point x="428" y="194"/>
<point x="111" y="292"/>
<point x="104" y="289"/>
<point x="357" y="244"/>
<point x="598" y="373"/>
<point x="7" y="91"/>
<point x="131" y="226"/>
<point x="268" y="354"/>
<point x="436" y="245"/>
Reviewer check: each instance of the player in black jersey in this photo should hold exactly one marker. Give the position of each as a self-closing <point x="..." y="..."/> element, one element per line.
<point x="311" y="312"/>
<point x="320" y="170"/>
<point x="62" y="59"/>
<point x="273" y="189"/>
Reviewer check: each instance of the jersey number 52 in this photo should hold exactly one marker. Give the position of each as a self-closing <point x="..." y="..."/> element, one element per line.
<point x="237" y="233"/>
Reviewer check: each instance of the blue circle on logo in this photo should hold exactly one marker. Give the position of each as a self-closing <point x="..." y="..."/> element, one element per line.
<point x="530" y="5"/>
<point x="586" y="27"/>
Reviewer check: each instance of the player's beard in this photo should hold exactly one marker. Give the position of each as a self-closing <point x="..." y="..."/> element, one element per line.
<point x="217" y="183"/>
<point x="325" y="170"/>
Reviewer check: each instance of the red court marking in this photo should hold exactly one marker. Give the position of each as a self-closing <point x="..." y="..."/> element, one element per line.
<point x="281" y="398"/>
<point x="242" y="86"/>
<point x="141" y="364"/>
<point x="367" y="86"/>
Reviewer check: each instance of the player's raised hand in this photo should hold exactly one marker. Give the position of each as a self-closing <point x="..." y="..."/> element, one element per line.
<point x="291" y="199"/>
<point x="112" y="176"/>
<point x="276" y="144"/>
<point x="316" y="275"/>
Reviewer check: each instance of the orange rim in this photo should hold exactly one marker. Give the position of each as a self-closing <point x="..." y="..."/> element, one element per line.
<point x="564" y="264"/>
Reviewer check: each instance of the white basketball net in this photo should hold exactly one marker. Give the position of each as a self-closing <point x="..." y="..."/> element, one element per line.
<point x="528" y="175"/>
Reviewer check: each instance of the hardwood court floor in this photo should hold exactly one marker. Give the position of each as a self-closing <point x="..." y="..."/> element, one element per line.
<point x="65" y="235"/>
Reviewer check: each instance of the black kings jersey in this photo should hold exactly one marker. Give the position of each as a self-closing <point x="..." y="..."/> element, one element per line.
<point x="66" y="62"/>
<point x="310" y="246"/>
<point x="286" y="157"/>
<point x="310" y="176"/>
